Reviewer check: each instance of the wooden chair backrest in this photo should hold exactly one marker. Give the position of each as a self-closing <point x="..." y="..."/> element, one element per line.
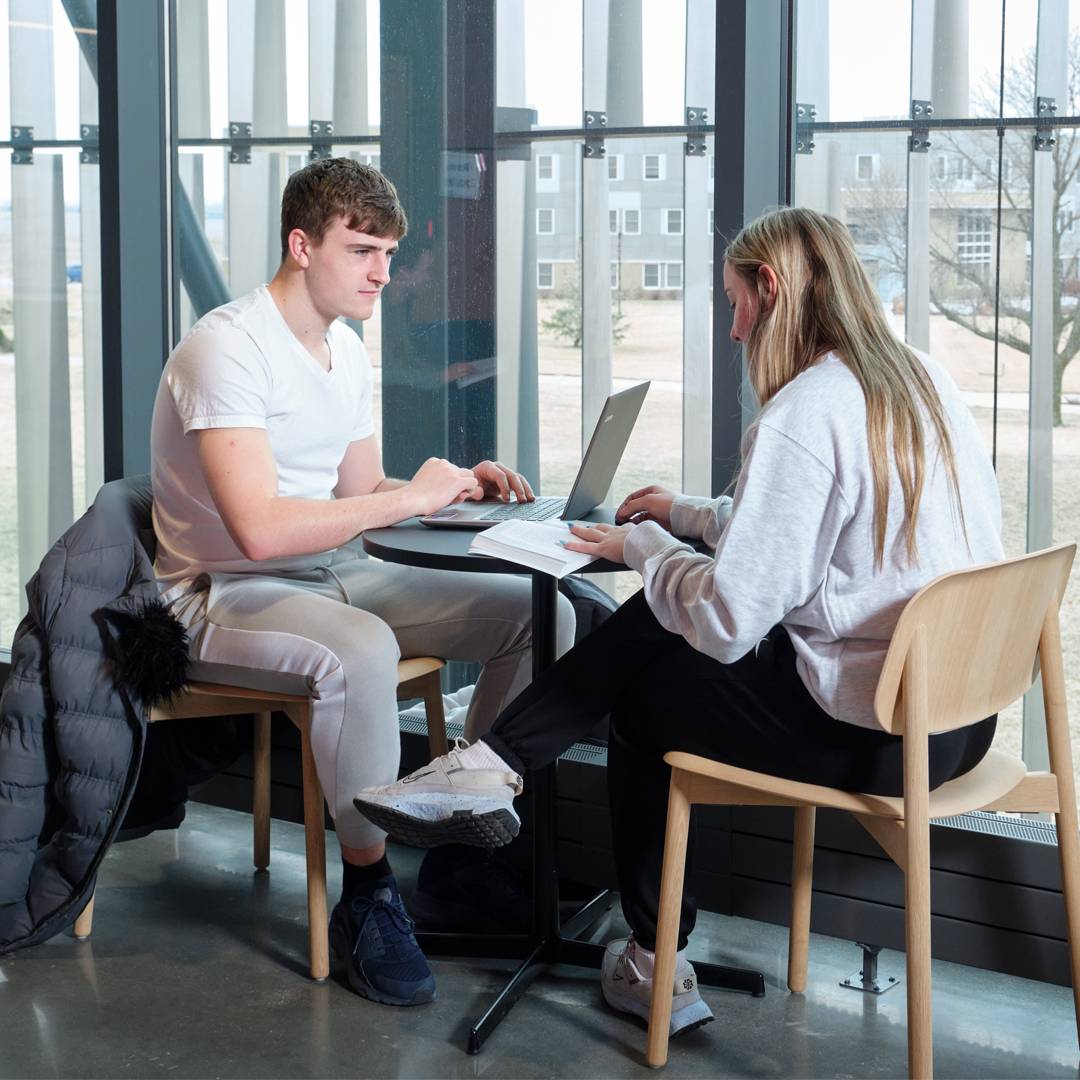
<point x="982" y="628"/>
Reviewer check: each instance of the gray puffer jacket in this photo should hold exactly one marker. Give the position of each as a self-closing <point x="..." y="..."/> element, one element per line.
<point x="73" y="711"/>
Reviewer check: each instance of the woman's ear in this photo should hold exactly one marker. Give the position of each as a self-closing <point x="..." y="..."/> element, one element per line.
<point x="768" y="284"/>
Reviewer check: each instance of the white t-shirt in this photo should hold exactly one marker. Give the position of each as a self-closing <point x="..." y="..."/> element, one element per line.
<point x="796" y="544"/>
<point x="241" y="366"/>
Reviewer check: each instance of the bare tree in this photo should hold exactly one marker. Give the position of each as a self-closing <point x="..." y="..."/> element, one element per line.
<point x="963" y="204"/>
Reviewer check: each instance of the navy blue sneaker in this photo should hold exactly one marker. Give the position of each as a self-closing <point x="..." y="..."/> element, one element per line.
<point x="372" y="935"/>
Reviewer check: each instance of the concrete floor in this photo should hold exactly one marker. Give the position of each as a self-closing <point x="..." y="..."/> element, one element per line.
<point x="197" y="968"/>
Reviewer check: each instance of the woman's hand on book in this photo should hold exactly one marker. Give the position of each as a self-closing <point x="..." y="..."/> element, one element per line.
<point x="600" y="540"/>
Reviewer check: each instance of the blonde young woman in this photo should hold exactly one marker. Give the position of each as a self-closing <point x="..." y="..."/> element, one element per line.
<point x="863" y="477"/>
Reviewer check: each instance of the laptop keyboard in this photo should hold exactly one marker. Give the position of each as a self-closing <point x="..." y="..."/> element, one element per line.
<point x="540" y="510"/>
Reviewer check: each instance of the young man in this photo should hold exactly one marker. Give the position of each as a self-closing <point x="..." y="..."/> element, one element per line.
<point x="265" y="468"/>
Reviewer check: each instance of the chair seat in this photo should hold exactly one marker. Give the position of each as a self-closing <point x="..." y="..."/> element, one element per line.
<point x="992" y="779"/>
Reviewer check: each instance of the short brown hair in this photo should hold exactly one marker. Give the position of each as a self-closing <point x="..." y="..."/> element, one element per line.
<point x="320" y="193"/>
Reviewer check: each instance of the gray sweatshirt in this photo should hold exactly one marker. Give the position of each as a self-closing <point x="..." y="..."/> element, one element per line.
<point x="795" y="546"/>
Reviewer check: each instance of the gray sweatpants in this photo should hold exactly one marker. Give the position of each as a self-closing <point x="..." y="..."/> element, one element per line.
<point x="342" y="628"/>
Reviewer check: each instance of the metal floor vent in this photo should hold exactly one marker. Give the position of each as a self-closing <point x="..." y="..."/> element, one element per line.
<point x="983" y="821"/>
<point x="413" y="722"/>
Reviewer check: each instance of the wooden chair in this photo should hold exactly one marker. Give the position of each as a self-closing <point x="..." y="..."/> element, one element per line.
<point x="417" y="677"/>
<point x="966" y="646"/>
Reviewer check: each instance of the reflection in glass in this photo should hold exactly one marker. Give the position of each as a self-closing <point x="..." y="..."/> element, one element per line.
<point x="50" y="341"/>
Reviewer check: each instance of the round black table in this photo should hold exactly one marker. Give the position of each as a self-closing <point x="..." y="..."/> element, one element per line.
<point x="551" y="941"/>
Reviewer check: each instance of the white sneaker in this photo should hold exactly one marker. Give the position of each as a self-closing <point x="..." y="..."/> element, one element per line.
<point x="463" y="797"/>
<point x="626" y="983"/>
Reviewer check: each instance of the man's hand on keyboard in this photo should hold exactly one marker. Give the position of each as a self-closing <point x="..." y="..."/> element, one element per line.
<point x="499" y="482"/>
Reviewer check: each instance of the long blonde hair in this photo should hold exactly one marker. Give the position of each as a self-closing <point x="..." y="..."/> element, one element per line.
<point x="825" y="303"/>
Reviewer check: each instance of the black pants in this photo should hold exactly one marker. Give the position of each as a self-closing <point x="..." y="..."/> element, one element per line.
<point x="664" y="695"/>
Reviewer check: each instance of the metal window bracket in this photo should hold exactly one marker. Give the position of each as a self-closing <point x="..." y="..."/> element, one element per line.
<point x="866" y="979"/>
<point x="239" y="152"/>
<point x="22" y="150"/>
<point x="89" y="155"/>
<point x="595" y="122"/>
<point x="697" y="118"/>
<point x="1044" y="138"/>
<point x="919" y="139"/>
<point x="805" y="114"/>
<point x="321" y="132"/>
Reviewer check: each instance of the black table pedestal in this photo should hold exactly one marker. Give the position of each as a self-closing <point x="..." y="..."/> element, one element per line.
<point x="553" y="943"/>
<point x="550" y="941"/>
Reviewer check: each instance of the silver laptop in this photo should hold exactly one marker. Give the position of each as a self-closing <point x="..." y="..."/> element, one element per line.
<point x="605" y="451"/>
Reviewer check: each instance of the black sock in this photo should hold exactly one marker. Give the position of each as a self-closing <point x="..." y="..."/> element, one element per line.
<point x="356" y="880"/>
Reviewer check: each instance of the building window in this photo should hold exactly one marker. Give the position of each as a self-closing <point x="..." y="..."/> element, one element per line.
<point x="613" y="222"/>
<point x="661" y="275"/>
<point x="614" y="275"/>
<point x="974" y="241"/>
<point x="866" y="166"/>
<point x="545" y="221"/>
<point x="614" y="167"/>
<point x="671" y="222"/>
<point x="964" y="168"/>
<point x="547" y="167"/>
<point x="1066" y="219"/>
<point x="545" y="275"/>
<point x="631" y="222"/>
<point x="653" y="166"/>
<point x="941" y="167"/>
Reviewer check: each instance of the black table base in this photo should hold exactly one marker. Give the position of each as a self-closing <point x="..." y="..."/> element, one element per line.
<point x="550" y="940"/>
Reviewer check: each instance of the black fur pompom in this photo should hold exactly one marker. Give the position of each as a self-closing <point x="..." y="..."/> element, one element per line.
<point x="150" y="653"/>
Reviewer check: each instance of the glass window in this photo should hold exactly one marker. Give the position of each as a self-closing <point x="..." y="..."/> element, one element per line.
<point x="614" y="275"/>
<point x="51" y="392"/>
<point x="632" y="221"/>
<point x="613" y="222"/>
<point x="545" y="166"/>
<point x="866" y="166"/>
<point x="545" y="221"/>
<point x="978" y="282"/>
<point x="671" y="222"/>
<point x="666" y="275"/>
<point x="653" y="167"/>
<point x="974" y="237"/>
<point x="615" y="166"/>
<point x="545" y="275"/>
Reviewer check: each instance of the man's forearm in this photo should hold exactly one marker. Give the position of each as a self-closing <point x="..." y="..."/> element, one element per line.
<point x="288" y="526"/>
<point x="388" y="483"/>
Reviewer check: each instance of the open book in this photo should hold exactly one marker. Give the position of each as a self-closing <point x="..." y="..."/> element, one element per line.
<point x="536" y="544"/>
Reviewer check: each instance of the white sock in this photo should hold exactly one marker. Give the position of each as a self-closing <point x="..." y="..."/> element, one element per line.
<point x="480" y="756"/>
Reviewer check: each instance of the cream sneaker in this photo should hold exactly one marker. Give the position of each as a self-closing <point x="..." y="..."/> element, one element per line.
<point x="626" y="983"/>
<point x="463" y="797"/>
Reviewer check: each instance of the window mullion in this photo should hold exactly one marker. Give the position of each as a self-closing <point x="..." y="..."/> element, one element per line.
<point x="1051" y="80"/>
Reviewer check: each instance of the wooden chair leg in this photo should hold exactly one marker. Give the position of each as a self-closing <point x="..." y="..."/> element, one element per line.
<point x="1069" y="854"/>
<point x="917" y="870"/>
<point x="315" y="844"/>
<point x="667" y="931"/>
<point x="802" y="882"/>
<point x="1060" y="747"/>
<point x="436" y="718"/>
<point x="261" y="800"/>
<point x="85" y="922"/>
